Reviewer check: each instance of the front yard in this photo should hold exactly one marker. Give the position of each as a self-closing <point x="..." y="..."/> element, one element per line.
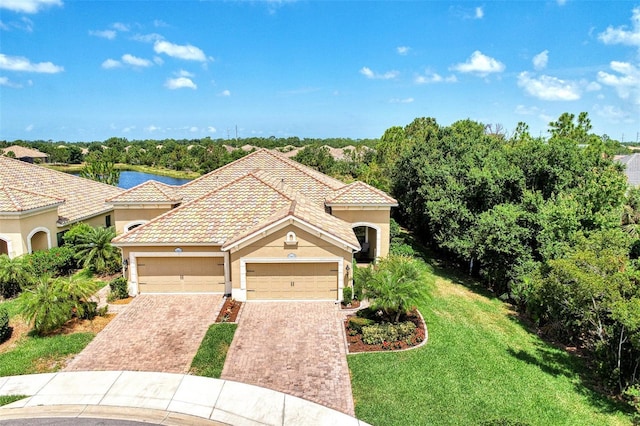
<point x="479" y="366"/>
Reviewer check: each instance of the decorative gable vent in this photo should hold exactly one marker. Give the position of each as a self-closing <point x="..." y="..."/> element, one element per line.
<point x="291" y="239"/>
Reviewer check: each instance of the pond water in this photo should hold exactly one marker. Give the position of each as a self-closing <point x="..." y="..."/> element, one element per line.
<point x="129" y="179"/>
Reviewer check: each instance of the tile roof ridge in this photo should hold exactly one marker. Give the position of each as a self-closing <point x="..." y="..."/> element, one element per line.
<point x="255" y="173"/>
<point x="163" y="187"/>
<point x="341" y="191"/>
<point x="10" y="192"/>
<point x="304" y="169"/>
<point x="219" y="169"/>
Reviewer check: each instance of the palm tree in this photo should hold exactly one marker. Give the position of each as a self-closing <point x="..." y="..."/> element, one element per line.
<point x="95" y="250"/>
<point x="397" y="285"/>
<point x="15" y="275"/>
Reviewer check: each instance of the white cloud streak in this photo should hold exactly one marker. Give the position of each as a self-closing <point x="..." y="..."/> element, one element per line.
<point x="186" y="52"/>
<point x="108" y="34"/>
<point x="541" y="60"/>
<point x="389" y="75"/>
<point x="403" y="50"/>
<point x="134" y="61"/>
<point x="432" y="77"/>
<point x="549" y="88"/>
<point x="623" y="35"/>
<point x="480" y="64"/>
<point x="111" y="63"/>
<point x="4" y="81"/>
<point x="19" y="63"/>
<point x="626" y="82"/>
<point x="479" y="13"/>
<point x="28" y="6"/>
<point x="180" y="83"/>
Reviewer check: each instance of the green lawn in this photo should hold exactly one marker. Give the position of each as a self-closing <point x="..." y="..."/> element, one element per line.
<point x="8" y="399"/>
<point x="210" y="358"/>
<point x="479" y="366"/>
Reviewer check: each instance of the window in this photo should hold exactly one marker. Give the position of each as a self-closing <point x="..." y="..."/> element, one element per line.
<point x="59" y="237"/>
<point x="107" y="221"/>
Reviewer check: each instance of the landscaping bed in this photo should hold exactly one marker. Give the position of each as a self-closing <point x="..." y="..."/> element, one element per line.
<point x="230" y="310"/>
<point x="355" y="342"/>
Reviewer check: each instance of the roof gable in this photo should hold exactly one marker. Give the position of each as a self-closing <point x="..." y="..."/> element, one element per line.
<point x="22" y="152"/>
<point x="14" y="200"/>
<point x="359" y="193"/>
<point x="150" y="191"/>
<point x="83" y="198"/>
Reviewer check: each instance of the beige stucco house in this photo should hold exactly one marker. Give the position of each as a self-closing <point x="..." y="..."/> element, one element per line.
<point x="37" y="205"/>
<point x="261" y="228"/>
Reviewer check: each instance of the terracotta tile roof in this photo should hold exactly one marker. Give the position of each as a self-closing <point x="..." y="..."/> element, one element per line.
<point x="21" y="152"/>
<point x="150" y="191"/>
<point x="230" y="213"/>
<point x="83" y="198"/>
<point x="359" y="193"/>
<point x="315" y="185"/>
<point x="16" y="200"/>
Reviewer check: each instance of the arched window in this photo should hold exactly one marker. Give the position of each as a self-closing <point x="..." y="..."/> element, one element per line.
<point x="131" y="225"/>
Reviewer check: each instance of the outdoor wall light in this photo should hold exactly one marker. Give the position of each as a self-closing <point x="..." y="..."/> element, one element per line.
<point x="178" y="250"/>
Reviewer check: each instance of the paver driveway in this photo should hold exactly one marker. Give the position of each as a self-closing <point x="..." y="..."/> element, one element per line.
<point x="154" y="333"/>
<point x="293" y="347"/>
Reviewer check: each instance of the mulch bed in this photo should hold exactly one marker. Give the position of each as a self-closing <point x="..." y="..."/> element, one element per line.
<point x="355" y="343"/>
<point x="229" y="311"/>
<point x="355" y="304"/>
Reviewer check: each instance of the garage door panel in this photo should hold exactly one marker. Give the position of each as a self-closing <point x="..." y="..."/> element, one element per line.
<point x="180" y="274"/>
<point x="291" y="281"/>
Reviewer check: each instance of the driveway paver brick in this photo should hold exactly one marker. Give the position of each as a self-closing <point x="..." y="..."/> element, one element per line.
<point x="293" y="347"/>
<point x="156" y="332"/>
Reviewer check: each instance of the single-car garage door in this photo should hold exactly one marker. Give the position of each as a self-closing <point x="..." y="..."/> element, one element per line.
<point x="181" y="275"/>
<point x="299" y="281"/>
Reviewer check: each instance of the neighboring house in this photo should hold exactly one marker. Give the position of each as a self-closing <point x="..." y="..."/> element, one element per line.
<point x="37" y="205"/>
<point x="632" y="167"/>
<point x="27" y="155"/>
<point x="261" y="228"/>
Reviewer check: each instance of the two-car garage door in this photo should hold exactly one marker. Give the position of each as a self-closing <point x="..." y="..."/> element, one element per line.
<point x="294" y="281"/>
<point x="181" y="275"/>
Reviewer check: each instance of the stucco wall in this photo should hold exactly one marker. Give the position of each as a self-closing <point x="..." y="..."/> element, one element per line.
<point x="379" y="217"/>
<point x="18" y="229"/>
<point x="125" y="216"/>
<point x="273" y="246"/>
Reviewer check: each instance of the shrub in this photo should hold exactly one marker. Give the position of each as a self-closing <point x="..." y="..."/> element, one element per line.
<point x="386" y="332"/>
<point x="401" y="249"/>
<point x="356" y="323"/>
<point x="119" y="289"/>
<point x="5" y="330"/>
<point x="57" y="261"/>
<point x="51" y="303"/>
<point x="347" y="295"/>
<point x="15" y="274"/>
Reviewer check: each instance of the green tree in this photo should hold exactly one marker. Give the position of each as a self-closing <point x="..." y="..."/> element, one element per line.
<point x="15" y="275"/>
<point x="317" y="157"/>
<point x="396" y="285"/>
<point x="95" y="251"/>
<point x="52" y="302"/>
<point x="100" y="170"/>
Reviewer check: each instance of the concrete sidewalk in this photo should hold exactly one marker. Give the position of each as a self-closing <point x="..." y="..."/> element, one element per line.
<point x="162" y="398"/>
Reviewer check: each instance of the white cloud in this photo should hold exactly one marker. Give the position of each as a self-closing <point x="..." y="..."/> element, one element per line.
<point x="622" y="35"/>
<point x="525" y="110"/>
<point x="432" y="77"/>
<point x="613" y="114"/>
<point x="180" y="83"/>
<point x="549" y="88"/>
<point x="403" y="50"/>
<point x="479" y="13"/>
<point x="540" y="60"/>
<point x="480" y="64"/>
<point x="183" y="73"/>
<point x="158" y="23"/>
<point x="158" y="60"/>
<point x="28" y="6"/>
<point x="120" y="27"/>
<point x="193" y="129"/>
<point x="111" y="63"/>
<point x="626" y="82"/>
<point x="225" y="93"/>
<point x="151" y="128"/>
<point x="4" y="81"/>
<point x="211" y="129"/>
<point x="187" y="52"/>
<point x="108" y="34"/>
<point x="24" y="24"/>
<point x="401" y="101"/>
<point x="561" y="2"/>
<point x="367" y="72"/>
<point x="19" y="63"/>
<point x="592" y="87"/>
<point x="134" y="61"/>
<point x="148" y="38"/>
<point x="29" y="128"/>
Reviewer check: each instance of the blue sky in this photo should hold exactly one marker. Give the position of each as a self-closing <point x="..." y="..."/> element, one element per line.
<point x="89" y="70"/>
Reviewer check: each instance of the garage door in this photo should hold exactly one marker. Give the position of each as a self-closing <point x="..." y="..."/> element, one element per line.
<point x="181" y="275"/>
<point x="299" y="281"/>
